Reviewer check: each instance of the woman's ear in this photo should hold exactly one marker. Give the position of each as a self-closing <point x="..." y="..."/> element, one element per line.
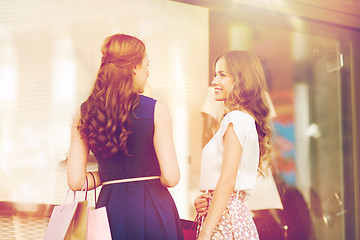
<point x="135" y="69"/>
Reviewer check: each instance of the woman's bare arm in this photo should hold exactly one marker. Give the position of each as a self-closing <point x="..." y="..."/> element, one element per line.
<point x="76" y="164"/>
<point x="226" y="184"/>
<point x="164" y="146"/>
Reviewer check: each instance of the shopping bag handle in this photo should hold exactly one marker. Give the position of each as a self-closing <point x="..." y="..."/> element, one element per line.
<point x="85" y="187"/>
<point x="92" y="175"/>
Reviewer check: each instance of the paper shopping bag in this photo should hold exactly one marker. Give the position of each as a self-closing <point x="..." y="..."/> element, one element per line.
<point x="98" y="225"/>
<point x="189" y="229"/>
<point x="78" y="226"/>
<point x="60" y="220"/>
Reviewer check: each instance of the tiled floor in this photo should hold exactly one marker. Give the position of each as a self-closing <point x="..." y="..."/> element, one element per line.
<point x="22" y="227"/>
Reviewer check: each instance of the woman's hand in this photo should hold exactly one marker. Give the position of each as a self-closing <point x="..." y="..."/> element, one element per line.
<point x="201" y="204"/>
<point x="203" y="238"/>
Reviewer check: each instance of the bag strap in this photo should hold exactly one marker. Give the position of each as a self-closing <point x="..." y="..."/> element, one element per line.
<point x="92" y="175"/>
<point x="86" y="188"/>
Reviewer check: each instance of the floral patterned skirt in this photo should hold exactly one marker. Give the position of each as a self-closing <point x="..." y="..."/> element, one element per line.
<point x="236" y="221"/>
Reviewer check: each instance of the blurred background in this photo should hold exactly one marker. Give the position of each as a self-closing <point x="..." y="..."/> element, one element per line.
<point x="310" y="50"/>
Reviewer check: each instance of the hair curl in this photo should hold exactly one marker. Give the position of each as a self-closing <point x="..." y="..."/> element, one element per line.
<point x="249" y="93"/>
<point x="105" y="122"/>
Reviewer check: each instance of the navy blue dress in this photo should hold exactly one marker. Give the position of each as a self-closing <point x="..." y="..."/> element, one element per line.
<point x="144" y="209"/>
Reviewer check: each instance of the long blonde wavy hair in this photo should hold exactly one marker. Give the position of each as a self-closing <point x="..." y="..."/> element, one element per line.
<point x="248" y="93"/>
<point x="105" y="122"/>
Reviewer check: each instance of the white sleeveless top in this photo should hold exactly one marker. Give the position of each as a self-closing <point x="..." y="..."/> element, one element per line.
<point x="212" y="154"/>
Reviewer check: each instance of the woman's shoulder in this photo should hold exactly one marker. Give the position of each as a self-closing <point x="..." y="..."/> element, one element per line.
<point x="145" y="108"/>
<point x="243" y="124"/>
<point x="147" y="102"/>
<point x="147" y="99"/>
<point x="239" y="120"/>
<point x="237" y="115"/>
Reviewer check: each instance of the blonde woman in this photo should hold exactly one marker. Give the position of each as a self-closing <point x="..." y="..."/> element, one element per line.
<point x="238" y="152"/>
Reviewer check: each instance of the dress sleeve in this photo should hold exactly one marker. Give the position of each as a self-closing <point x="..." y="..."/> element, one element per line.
<point x="240" y="125"/>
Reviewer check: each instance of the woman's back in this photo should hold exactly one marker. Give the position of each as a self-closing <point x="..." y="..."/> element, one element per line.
<point x="138" y="209"/>
<point x="142" y="161"/>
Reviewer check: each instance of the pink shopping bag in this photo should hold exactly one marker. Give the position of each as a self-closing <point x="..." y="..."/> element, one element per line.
<point x="60" y="220"/>
<point x="98" y="225"/>
<point x="68" y="221"/>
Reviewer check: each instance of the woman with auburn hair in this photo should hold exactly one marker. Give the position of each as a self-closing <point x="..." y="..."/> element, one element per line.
<point x="238" y="151"/>
<point x="131" y="138"/>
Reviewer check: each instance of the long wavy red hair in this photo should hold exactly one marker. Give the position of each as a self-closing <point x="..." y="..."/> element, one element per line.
<point x="248" y="93"/>
<point x="105" y="122"/>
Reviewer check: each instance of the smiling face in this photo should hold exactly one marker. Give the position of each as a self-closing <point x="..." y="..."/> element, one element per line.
<point x="140" y="75"/>
<point x="223" y="81"/>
